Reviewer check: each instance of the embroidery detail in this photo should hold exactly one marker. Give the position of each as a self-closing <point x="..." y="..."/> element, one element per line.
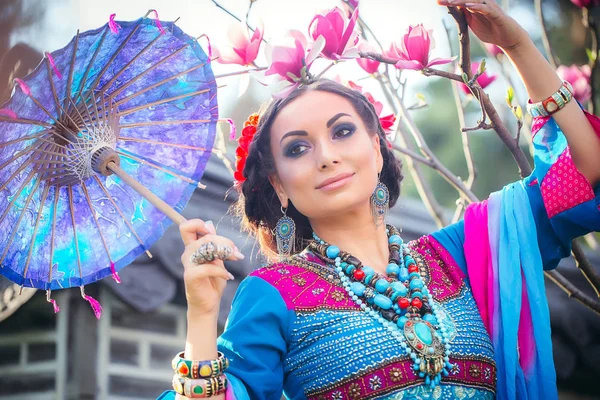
<point x="474" y="371"/>
<point x="298" y="280"/>
<point x="337" y="295"/>
<point x="375" y="382"/>
<point x="354" y="391"/>
<point x="398" y="375"/>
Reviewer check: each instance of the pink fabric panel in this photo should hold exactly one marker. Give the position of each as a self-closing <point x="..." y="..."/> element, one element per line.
<point x="479" y="261"/>
<point x="445" y="279"/>
<point x="564" y="187"/>
<point x="305" y="290"/>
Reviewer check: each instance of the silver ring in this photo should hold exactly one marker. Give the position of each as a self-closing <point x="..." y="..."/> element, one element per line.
<point x="210" y="251"/>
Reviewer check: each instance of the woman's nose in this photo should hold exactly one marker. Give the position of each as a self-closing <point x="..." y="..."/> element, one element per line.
<point x="327" y="155"/>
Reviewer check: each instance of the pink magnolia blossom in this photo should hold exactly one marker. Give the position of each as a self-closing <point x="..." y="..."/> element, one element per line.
<point x="484" y="79"/>
<point x="290" y="61"/>
<point x="585" y="3"/>
<point x="414" y="50"/>
<point x="243" y="49"/>
<point x="493" y="49"/>
<point x="338" y="32"/>
<point x="370" y="66"/>
<point x="579" y="78"/>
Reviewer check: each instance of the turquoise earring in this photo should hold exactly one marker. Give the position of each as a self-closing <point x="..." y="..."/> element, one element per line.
<point x="285" y="234"/>
<point x="380" y="203"/>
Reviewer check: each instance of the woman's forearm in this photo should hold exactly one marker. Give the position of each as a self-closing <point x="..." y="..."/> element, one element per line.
<point x="201" y="342"/>
<point x="541" y="81"/>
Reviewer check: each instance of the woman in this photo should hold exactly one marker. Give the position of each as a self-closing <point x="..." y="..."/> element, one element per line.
<point x="321" y="324"/>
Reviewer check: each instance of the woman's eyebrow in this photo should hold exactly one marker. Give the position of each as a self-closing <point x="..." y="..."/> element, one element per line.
<point x="293" y="133"/>
<point x="335" y="118"/>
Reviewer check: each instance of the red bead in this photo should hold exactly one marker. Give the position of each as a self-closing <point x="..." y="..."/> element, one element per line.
<point x="413" y="268"/>
<point x="416" y="302"/>
<point x="403" y="303"/>
<point x="359" y="274"/>
<point x="419" y="346"/>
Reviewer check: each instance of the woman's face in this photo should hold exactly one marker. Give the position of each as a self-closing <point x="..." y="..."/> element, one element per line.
<point x="326" y="162"/>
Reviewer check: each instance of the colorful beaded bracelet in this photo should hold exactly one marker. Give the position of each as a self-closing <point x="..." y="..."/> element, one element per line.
<point x="200" y="388"/>
<point x="553" y="103"/>
<point x="199" y="369"/>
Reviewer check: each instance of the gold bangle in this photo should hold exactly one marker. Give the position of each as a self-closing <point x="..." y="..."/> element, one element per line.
<point x="194" y="369"/>
<point x="199" y="388"/>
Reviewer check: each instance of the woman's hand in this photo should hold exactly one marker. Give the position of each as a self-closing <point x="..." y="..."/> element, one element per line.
<point x="490" y="23"/>
<point x="204" y="283"/>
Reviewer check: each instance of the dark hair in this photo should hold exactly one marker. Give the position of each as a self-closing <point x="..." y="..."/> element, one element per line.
<point x="258" y="204"/>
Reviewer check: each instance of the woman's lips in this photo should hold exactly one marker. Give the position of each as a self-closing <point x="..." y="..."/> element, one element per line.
<point x="336" y="182"/>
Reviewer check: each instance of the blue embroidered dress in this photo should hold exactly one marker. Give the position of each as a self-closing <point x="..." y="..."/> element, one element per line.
<point x="294" y="330"/>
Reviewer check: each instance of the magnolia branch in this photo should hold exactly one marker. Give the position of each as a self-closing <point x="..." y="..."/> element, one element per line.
<point x="525" y="168"/>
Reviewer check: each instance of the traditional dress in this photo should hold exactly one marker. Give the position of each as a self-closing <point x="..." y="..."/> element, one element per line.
<point x="294" y="330"/>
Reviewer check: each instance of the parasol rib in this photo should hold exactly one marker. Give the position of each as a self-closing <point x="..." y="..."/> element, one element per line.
<point x="24" y="138"/>
<point x="112" y="80"/>
<point x="15" y="197"/>
<point x="89" y="67"/>
<point x="181" y="121"/>
<point x="21" y="168"/>
<point x="159" y="102"/>
<point x="135" y="157"/>
<point x="157" y="84"/>
<point x="25" y="121"/>
<point x="109" y="62"/>
<point x="15" y="226"/>
<point x="116" y="207"/>
<point x="26" y="150"/>
<point x="56" y="193"/>
<point x="89" y="201"/>
<point x="35" y="228"/>
<point x="180" y="146"/>
<point x="149" y="69"/>
<point x="72" y="210"/>
<point x="71" y="70"/>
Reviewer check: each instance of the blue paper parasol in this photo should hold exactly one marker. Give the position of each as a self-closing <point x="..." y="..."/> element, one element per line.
<point x="96" y="145"/>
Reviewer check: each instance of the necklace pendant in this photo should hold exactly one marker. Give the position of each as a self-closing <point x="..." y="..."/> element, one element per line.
<point x="422" y="339"/>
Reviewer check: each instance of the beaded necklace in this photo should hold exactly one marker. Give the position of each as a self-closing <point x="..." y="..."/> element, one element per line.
<point x="399" y="301"/>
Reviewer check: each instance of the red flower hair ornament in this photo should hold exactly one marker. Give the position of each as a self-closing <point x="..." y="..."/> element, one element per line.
<point x="241" y="153"/>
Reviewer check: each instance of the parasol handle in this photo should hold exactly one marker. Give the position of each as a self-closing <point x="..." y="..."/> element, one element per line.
<point x="147" y="194"/>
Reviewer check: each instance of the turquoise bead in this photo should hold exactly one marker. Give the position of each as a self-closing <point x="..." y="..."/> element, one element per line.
<point x="416" y="284"/>
<point x="350" y="269"/>
<point x="395" y="239"/>
<point x="382" y="285"/>
<point x="383" y="302"/>
<point x="423" y="333"/>
<point x="400" y="288"/>
<point x="368" y="271"/>
<point x="369" y="274"/>
<point x="403" y="274"/>
<point x="358" y="288"/>
<point x="392" y="268"/>
<point x="414" y="275"/>
<point x="333" y="251"/>
<point x="401" y="322"/>
<point x="417" y="294"/>
<point x="430" y="318"/>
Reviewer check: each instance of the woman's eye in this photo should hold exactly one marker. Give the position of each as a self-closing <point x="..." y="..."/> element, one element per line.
<point x="295" y="150"/>
<point x="343" y="130"/>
